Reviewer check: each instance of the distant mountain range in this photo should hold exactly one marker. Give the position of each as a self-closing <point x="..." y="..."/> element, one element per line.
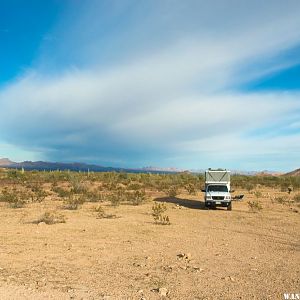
<point x="42" y="165"/>
<point x="293" y="173"/>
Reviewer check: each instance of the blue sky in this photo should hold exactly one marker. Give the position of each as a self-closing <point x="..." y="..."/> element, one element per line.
<point x="188" y="84"/>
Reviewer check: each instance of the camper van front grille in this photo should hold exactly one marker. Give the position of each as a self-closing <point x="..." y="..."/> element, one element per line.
<point x="218" y="197"/>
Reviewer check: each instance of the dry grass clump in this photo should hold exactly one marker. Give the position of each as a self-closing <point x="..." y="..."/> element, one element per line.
<point x="50" y="218"/>
<point x="101" y="214"/>
<point x="73" y="202"/>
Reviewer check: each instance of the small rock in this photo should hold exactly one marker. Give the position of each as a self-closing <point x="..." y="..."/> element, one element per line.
<point x="163" y="291"/>
<point x="184" y="255"/>
<point x="41" y="223"/>
<point x="197" y="269"/>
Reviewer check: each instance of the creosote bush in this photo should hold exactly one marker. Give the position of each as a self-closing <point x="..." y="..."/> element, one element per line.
<point x="254" y="206"/>
<point x="158" y="210"/>
<point x="73" y="202"/>
<point x="257" y="194"/>
<point x="14" y="198"/>
<point x="191" y="188"/>
<point x="61" y="192"/>
<point x="137" y="197"/>
<point x="172" y="191"/>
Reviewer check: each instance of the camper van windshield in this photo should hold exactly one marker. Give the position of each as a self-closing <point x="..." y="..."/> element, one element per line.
<point x="217" y="188"/>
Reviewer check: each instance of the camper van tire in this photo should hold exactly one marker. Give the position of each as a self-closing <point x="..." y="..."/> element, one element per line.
<point x="229" y="207"/>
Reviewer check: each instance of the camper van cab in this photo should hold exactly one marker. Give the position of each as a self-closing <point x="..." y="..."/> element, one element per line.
<point x="217" y="188"/>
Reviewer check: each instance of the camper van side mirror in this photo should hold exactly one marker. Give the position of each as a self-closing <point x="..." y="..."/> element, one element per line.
<point x="203" y="190"/>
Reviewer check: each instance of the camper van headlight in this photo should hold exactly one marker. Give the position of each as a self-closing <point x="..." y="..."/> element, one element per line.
<point x="208" y="197"/>
<point x="227" y="197"/>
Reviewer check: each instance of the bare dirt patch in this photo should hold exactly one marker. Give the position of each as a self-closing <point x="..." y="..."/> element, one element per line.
<point x="202" y="254"/>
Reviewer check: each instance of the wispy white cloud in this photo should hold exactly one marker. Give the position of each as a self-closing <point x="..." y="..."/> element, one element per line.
<point x="173" y="96"/>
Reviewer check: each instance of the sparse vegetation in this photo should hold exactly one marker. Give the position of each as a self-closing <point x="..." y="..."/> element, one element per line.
<point x="158" y="210"/>
<point x="73" y="202"/>
<point x="257" y="194"/>
<point x="14" y="198"/>
<point x="172" y="191"/>
<point x="101" y="214"/>
<point x="297" y="198"/>
<point x="51" y="218"/>
<point x="137" y="197"/>
<point x="254" y="206"/>
<point x="97" y="246"/>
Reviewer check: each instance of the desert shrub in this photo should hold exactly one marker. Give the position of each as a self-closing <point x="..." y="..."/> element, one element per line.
<point x="101" y="214"/>
<point x="254" y="206"/>
<point x="257" y="194"/>
<point x="137" y="197"/>
<point x="50" y="218"/>
<point x="14" y="198"/>
<point x="191" y="188"/>
<point x="134" y="186"/>
<point x="172" y="191"/>
<point x="158" y="210"/>
<point x="73" y="202"/>
<point x="297" y="198"/>
<point x="61" y="192"/>
<point x="115" y="198"/>
<point x="78" y="186"/>
<point x="38" y="194"/>
<point x="94" y="196"/>
<point x="118" y="195"/>
<point x="249" y="186"/>
<point x="279" y="200"/>
<point x="109" y="186"/>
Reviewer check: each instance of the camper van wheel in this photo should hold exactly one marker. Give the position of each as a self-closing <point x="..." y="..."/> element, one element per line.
<point x="229" y="207"/>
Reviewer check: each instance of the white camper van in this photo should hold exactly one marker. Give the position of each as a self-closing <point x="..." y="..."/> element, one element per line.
<point x="217" y="188"/>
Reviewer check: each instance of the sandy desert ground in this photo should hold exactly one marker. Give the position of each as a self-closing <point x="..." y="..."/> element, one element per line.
<point x="203" y="254"/>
